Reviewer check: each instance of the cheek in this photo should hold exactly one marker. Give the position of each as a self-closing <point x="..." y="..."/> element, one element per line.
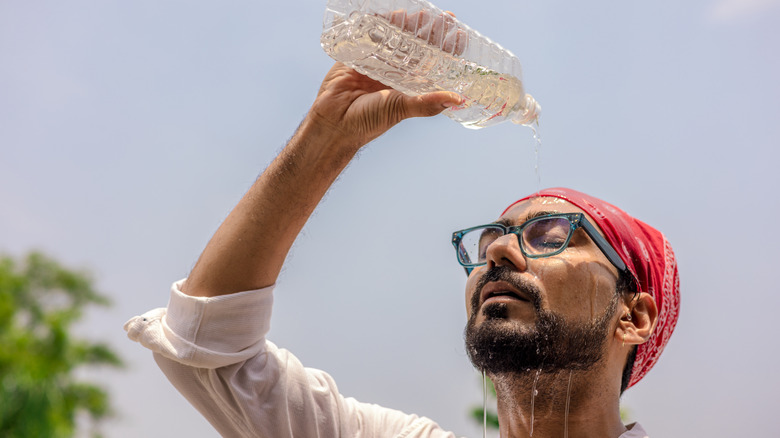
<point x="601" y="293"/>
<point x="577" y="290"/>
<point x="471" y="285"/>
<point x="560" y="285"/>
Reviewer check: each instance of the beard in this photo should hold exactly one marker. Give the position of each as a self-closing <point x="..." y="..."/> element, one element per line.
<point x="499" y="345"/>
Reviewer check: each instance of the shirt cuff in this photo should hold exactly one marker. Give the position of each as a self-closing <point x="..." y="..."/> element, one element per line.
<point x="206" y="332"/>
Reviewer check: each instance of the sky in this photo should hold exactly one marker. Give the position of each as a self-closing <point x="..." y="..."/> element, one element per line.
<point x="128" y="131"/>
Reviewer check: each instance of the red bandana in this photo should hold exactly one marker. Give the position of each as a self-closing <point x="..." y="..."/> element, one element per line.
<point x="647" y="255"/>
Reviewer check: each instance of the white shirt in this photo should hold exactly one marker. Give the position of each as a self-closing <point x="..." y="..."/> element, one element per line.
<point x="215" y="353"/>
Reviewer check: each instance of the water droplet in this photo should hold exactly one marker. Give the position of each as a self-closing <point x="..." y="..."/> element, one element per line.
<point x="534" y="393"/>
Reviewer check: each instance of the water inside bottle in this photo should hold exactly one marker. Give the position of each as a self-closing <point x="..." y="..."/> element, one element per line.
<point x="373" y="46"/>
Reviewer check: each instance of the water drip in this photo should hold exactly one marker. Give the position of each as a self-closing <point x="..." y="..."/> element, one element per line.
<point x="566" y="414"/>
<point x="484" y="405"/>
<point x="538" y="145"/>
<point x="534" y="393"/>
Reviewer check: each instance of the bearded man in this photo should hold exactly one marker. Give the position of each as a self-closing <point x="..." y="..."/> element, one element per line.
<point x="570" y="300"/>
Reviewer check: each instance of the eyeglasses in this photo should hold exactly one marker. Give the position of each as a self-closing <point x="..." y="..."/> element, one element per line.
<point x="539" y="237"/>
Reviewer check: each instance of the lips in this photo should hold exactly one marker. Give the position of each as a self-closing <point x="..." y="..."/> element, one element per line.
<point x="501" y="290"/>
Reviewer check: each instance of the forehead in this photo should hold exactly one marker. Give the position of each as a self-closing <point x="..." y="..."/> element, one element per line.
<point x="521" y="211"/>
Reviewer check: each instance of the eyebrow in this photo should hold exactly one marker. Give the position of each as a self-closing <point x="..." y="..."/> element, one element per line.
<point x="508" y="222"/>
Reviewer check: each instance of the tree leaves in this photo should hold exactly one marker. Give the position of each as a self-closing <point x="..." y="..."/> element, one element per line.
<point x="39" y="395"/>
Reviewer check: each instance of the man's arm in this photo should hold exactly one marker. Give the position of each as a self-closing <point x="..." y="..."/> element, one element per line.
<point x="249" y="248"/>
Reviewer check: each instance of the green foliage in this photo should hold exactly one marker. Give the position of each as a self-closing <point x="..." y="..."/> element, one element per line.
<point x="625" y="414"/>
<point x="39" y="394"/>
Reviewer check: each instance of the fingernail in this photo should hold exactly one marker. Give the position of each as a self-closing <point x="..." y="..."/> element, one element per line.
<point x="451" y="104"/>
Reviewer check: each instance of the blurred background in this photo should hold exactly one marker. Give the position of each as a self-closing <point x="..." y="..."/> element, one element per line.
<point x="128" y="131"/>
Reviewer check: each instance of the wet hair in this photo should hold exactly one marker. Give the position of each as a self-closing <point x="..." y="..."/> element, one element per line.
<point x="627" y="284"/>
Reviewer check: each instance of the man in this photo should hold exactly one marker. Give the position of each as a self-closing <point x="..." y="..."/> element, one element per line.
<point x="555" y="307"/>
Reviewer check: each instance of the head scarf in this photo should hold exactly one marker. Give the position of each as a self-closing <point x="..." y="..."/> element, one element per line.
<point x="647" y="255"/>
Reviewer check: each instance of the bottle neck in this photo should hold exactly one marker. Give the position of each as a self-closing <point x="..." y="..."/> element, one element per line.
<point x="531" y="112"/>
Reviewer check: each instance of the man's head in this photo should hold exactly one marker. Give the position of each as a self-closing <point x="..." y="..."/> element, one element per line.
<point x="541" y="301"/>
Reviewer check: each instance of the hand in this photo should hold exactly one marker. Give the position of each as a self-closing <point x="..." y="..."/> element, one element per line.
<point x="358" y="109"/>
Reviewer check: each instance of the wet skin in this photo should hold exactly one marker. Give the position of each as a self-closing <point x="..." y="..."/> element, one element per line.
<point x="576" y="284"/>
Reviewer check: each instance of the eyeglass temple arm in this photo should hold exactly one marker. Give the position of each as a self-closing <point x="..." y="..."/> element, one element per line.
<point x="603" y="245"/>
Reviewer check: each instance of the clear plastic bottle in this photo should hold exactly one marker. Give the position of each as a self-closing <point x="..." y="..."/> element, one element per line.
<point x="416" y="48"/>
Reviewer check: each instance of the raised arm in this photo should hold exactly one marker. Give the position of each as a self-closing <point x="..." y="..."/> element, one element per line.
<point x="249" y="248"/>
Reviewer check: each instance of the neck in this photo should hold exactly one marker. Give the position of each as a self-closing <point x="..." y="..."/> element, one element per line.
<point x="572" y="404"/>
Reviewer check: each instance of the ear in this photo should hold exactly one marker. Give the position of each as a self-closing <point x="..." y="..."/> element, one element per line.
<point x="638" y="321"/>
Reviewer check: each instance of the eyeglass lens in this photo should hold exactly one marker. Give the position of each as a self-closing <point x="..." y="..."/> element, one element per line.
<point x="539" y="237"/>
<point x="546" y="235"/>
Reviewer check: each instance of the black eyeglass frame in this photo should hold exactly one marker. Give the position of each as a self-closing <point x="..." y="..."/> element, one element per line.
<point x="576" y="220"/>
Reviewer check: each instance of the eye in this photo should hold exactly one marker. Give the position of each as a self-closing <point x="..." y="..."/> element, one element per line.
<point x="552" y="240"/>
<point x="546" y="235"/>
<point x="488" y="236"/>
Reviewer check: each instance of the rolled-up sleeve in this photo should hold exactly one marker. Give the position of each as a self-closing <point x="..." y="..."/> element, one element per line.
<point x="206" y="332"/>
<point x="215" y="352"/>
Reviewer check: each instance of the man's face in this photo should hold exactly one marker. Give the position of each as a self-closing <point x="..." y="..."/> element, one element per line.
<point x="525" y="312"/>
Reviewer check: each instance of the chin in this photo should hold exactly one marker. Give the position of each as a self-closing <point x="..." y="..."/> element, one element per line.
<point x="495" y="311"/>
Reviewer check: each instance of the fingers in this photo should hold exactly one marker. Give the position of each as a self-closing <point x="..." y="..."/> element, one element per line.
<point x="430" y="104"/>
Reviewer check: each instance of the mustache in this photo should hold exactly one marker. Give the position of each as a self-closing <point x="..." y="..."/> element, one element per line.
<point x="506" y="274"/>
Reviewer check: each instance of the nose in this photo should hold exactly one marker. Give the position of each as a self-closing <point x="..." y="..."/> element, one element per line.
<point x="505" y="251"/>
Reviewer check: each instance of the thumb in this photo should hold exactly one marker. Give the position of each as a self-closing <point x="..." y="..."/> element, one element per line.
<point x="430" y="104"/>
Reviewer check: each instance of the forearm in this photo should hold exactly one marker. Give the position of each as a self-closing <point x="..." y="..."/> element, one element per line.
<point x="350" y="110"/>
<point x="249" y="248"/>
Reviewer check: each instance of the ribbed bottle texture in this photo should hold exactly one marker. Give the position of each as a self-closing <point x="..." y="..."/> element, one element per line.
<point x="416" y="48"/>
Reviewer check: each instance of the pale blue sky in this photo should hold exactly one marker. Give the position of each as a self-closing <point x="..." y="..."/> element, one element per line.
<point x="128" y="130"/>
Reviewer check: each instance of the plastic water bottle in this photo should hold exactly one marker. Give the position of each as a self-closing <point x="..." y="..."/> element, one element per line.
<point x="416" y="48"/>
